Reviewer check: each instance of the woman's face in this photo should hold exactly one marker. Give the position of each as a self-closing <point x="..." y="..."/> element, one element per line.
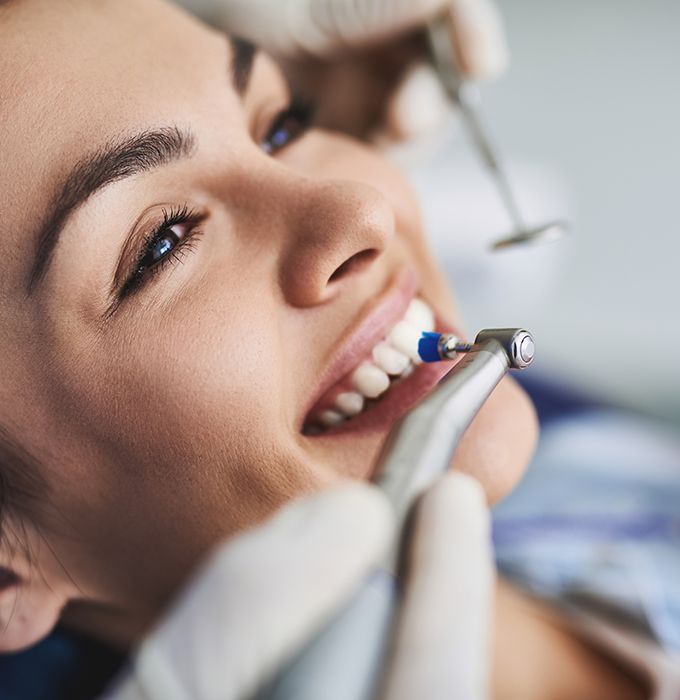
<point x="188" y="280"/>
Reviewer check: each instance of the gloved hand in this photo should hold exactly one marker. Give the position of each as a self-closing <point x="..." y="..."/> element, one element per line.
<point x="265" y="593"/>
<point x="370" y="52"/>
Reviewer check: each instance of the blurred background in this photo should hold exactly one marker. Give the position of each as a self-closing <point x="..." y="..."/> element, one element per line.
<point x="587" y="121"/>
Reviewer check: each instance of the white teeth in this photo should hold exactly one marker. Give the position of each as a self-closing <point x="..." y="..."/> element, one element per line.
<point x="370" y="380"/>
<point x="420" y="315"/>
<point x="394" y="357"/>
<point x="390" y="360"/>
<point x="404" y="337"/>
<point x="331" y="418"/>
<point x="408" y="371"/>
<point x="350" y="403"/>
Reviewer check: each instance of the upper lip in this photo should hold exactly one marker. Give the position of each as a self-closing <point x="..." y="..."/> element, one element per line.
<point x="367" y="331"/>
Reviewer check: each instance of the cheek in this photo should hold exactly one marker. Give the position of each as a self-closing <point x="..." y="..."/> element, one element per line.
<point x="200" y="382"/>
<point x="500" y="442"/>
<point x="194" y="444"/>
<point x="188" y="402"/>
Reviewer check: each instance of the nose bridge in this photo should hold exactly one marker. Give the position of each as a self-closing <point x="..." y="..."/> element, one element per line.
<point x="343" y="212"/>
<point x="334" y="230"/>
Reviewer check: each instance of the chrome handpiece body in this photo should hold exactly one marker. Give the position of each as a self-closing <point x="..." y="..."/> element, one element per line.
<point x="345" y="661"/>
<point x="421" y="448"/>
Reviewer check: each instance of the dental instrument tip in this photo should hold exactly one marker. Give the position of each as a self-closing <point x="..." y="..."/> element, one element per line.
<point x="435" y="347"/>
<point x="517" y="344"/>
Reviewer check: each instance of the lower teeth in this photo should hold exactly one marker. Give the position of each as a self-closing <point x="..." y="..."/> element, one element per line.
<point x="349" y="405"/>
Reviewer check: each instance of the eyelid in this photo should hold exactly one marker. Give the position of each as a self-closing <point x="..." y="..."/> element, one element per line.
<point x="297" y="108"/>
<point x="142" y="231"/>
<point x="138" y="233"/>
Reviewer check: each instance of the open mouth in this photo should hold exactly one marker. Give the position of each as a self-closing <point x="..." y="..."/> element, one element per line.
<point x="390" y="376"/>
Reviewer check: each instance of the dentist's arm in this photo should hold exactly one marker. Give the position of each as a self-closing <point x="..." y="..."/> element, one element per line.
<point x="267" y="592"/>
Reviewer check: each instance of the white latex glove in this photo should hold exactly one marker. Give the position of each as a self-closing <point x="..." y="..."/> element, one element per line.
<point x="325" y="28"/>
<point x="322" y="27"/>
<point x="265" y="593"/>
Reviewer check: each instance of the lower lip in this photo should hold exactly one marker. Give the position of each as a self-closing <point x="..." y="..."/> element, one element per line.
<point x="396" y="402"/>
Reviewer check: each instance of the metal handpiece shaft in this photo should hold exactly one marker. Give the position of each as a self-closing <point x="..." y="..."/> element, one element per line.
<point x="423" y="445"/>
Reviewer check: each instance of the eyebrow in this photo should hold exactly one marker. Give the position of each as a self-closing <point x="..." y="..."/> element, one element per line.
<point x="123" y="158"/>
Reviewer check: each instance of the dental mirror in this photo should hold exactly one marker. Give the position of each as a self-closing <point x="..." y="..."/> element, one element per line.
<point x="548" y="233"/>
<point x="466" y="97"/>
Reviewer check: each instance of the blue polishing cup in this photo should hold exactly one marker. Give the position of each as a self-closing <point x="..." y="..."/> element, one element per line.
<point x="428" y="347"/>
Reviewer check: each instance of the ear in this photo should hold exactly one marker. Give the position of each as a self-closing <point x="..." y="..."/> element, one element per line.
<point x="33" y="591"/>
<point x="29" y="609"/>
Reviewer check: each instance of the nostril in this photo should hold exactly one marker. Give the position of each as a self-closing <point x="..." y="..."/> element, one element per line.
<point x="354" y="264"/>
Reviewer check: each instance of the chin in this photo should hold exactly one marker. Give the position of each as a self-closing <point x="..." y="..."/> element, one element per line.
<point x="499" y="444"/>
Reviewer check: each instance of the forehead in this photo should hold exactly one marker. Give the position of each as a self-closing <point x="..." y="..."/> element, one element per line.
<point x="74" y="74"/>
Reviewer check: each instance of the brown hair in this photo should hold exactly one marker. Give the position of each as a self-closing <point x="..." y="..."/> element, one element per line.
<point x="22" y="487"/>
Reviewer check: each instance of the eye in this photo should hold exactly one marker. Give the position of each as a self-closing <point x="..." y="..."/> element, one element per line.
<point x="168" y="243"/>
<point x="288" y="125"/>
<point x="164" y="246"/>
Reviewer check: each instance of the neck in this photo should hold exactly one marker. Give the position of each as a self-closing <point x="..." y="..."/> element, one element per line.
<point x="537" y="658"/>
<point x="106" y="624"/>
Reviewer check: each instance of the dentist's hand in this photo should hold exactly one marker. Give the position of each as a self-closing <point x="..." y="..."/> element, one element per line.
<point x="265" y="593"/>
<point x="372" y="51"/>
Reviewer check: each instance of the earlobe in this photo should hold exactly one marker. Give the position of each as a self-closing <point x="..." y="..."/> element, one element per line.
<point x="29" y="610"/>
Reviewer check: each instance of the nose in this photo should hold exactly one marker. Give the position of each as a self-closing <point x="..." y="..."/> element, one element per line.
<point x="334" y="234"/>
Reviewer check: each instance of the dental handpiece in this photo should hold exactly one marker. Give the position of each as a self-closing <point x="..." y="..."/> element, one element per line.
<point x="345" y="660"/>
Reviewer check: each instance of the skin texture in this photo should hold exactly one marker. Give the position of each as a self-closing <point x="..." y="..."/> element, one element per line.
<point x="174" y="422"/>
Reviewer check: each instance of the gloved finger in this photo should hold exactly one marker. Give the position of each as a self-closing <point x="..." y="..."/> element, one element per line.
<point x="419" y="105"/>
<point x="262" y="595"/>
<point x="321" y="27"/>
<point x="478" y="39"/>
<point x="443" y="639"/>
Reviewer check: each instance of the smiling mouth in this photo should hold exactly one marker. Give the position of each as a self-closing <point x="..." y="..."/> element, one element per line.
<point x="387" y="365"/>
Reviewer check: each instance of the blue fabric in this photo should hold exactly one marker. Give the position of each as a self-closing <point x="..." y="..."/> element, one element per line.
<point x="553" y="399"/>
<point x="596" y="521"/>
<point x="66" y="666"/>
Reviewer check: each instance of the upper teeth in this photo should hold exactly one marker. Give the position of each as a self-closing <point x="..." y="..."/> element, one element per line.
<point x="404" y="337"/>
<point x="394" y="356"/>
<point x="389" y="359"/>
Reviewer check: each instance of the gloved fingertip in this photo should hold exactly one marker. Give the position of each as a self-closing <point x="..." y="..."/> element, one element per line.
<point x="464" y="487"/>
<point x="486" y="62"/>
<point x="457" y="500"/>
<point x="419" y="106"/>
<point x="479" y="39"/>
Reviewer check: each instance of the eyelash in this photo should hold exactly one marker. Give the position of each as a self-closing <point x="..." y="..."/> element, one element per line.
<point x="143" y="270"/>
<point x="288" y="125"/>
<point x="300" y="112"/>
